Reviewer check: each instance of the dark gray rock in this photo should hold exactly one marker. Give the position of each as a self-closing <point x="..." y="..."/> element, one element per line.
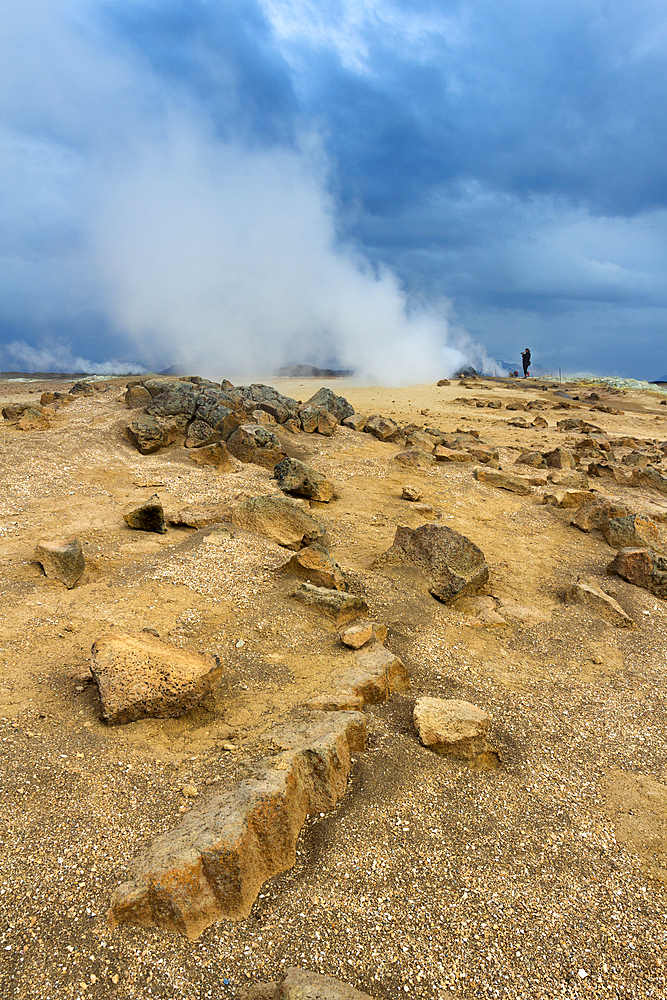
<point x="451" y="563"/>
<point x="325" y="399"/>
<point x="147" y="517"/>
<point x="299" y="479"/>
<point x="148" y="433"/>
<point x="256" y="444"/>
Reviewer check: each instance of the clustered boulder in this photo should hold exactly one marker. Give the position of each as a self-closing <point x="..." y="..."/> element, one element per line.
<point x="199" y="414"/>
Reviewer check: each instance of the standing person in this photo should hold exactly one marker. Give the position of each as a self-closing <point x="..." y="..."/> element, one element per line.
<point x="525" y="357"/>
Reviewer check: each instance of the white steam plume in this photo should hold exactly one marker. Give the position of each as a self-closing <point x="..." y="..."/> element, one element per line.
<point x="227" y="261"/>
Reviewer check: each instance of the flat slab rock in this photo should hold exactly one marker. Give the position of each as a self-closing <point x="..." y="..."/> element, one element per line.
<point x="279" y="519"/>
<point x="451" y="727"/>
<point x="585" y="591"/>
<point x="140" y="676"/>
<point x="453" y="565"/>
<point x="336" y="604"/>
<point x="212" y="866"/>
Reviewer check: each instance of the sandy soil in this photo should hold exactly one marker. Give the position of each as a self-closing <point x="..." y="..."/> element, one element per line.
<point x="543" y="878"/>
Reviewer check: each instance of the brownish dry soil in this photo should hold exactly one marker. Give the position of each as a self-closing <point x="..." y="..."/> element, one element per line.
<point x="545" y="877"/>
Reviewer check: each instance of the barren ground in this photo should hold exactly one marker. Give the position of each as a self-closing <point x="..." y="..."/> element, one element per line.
<point x="546" y="877"/>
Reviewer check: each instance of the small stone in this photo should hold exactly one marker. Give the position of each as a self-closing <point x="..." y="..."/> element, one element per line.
<point x="336" y="604"/>
<point x="411" y="493"/>
<point x="189" y="791"/>
<point x="148" y="517"/>
<point x="360" y="633"/>
<point x="61" y="561"/>
<point x="502" y="480"/>
<point x="451" y="727"/>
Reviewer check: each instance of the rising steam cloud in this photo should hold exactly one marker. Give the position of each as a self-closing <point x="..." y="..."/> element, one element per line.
<point x="227" y="260"/>
<point x="176" y="235"/>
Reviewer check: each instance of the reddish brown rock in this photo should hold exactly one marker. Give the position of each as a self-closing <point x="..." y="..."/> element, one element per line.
<point x="633" y="531"/>
<point x="642" y="567"/>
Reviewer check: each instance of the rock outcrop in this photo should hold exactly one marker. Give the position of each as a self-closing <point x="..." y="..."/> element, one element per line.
<point x="195" y="411"/>
<point x="140" y="676"/>
<point x="212" y="866"/>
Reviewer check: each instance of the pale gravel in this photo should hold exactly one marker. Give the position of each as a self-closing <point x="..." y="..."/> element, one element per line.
<point x="430" y="880"/>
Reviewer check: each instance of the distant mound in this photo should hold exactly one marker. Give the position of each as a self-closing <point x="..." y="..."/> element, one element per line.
<point x="659" y="381"/>
<point x="308" y="371"/>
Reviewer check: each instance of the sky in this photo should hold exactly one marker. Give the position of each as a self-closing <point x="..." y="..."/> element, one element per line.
<point x="398" y="187"/>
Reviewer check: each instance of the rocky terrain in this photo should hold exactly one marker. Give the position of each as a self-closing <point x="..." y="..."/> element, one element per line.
<point x="367" y="683"/>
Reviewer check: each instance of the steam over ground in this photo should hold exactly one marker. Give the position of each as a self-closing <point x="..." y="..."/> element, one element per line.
<point x="246" y="183"/>
<point x="173" y="226"/>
